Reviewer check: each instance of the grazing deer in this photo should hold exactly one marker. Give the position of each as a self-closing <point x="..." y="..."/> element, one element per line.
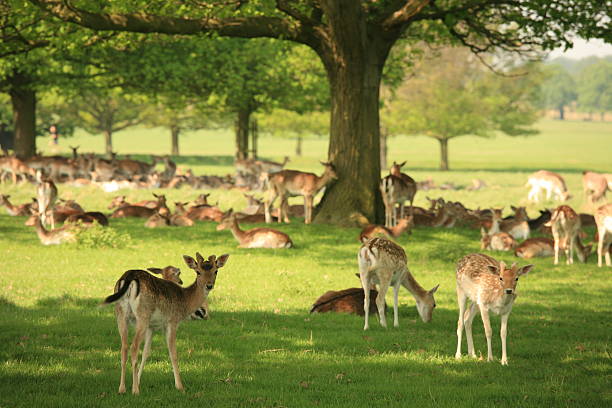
<point x="291" y="183"/>
<point x="535" y="247"/>
<point x="595" y="186"/>
<point x="383" y="262"/>
<point x="491" y="286"/>
<point x="14" y="210"/>
<point x="565" y="225"/>
<point x="256" y="237"/>
<point x="553" y="183"/>
<point x="603" y="218"/>
<point x="500" y="241"/>
<point x="158" y="304"/>
<point x="372" y="230"/>
<point x="46" y="192"/>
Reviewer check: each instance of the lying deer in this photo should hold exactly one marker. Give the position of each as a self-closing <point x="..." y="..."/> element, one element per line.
<point x="535" y="248"/>
<point x="344" y="301"/>
<point x="291" y="183"/>
<point x="603" y="218"/>
<point x="55" y="236"/>
<point x="256" y="237"/>
<point x="158" y="304"/>
<point x="15" y="167"/>
<point x="384" y="263"/>
<point x="548" y="181"/>
<point x="180" y="218"/>
<point x="14" y="210"/>
<point x="491" y="286"/>
<point x="142" y="212"/>
<point x="565" y="225"/>
<point x="500" y="241"/>
<point x="372" y="230"/>
<point x="157" y="220"/>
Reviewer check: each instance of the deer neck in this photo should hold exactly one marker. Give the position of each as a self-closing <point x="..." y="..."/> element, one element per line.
<point x="398" y="230"/>
<point x="239" y="234"/>
<point x="440" y="217"/>
<point x="194" y="295"/>
<point x="494" y="226"/>
<point x="322" y="181"/>
<point x="42" y="233"/>
<point x="413" y="286"/>
<point x="12" y="210"/>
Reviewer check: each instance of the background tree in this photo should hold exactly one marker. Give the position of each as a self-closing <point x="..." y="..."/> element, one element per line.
<point x="353" y="39"/>
<point x="290" y="124"/>
<point x="455" y="95"/>
<point x="595" y="88"/>
<point x="559" y="90"/>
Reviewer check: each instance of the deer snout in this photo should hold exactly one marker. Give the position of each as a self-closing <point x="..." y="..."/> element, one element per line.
<point x="209" y="287"/>
<point x="509" y="291"/>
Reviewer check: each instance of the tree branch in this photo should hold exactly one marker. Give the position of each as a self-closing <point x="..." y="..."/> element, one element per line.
<point x="401" y="12"/>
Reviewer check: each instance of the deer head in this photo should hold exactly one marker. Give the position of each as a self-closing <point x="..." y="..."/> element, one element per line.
<point x="426" y="304"/>
<point x="206" y="270"/>
<point x="169" y="273"/>
<point x="508" y="277"/>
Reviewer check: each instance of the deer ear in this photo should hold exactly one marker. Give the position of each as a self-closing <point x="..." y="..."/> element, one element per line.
<point x="525" y="269"/>
<point x="402" y="165"/>
<point x="435" y="288"/>
<point x="156" y="271"/>
<point x="190" y="262"/>
<point x="222" y="260"/>
<point x="513" y="208"/>
<point x="493" y="269"/>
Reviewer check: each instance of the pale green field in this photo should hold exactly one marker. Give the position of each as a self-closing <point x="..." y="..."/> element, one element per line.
<point x="261" y="348"/>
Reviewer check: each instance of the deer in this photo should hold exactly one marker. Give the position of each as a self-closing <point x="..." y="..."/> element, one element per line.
<point x="14" y="210"/>
<point x="158" y="304"/>
<point x="54" y="236"/>
<point x="179" y="218"/>
<point x="551" y="182"/>
<point x="256" y="237"/>
<point x="499" y="241"/>
<point x="201" y="200"/>
<point x="291" y="183"/>
<point x="603" y="219"/>
<point x="344" y="301"/>
<point x="383" y="262"/>
<point x="16" y="167"/>
<point x="157" y="220"/>
<point x="142" y="212"/>
<point x="397" y="187"/>
<point x="46" y="192"/>
<point x="595" y="186"/>
<point x="404" y="225"/>
<point x="565" y="225"/>
<point x="535" y="247"/>
<point x="271" y="167"/>
<point x="491" y="286"/>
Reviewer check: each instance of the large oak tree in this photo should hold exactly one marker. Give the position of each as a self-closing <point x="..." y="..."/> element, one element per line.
<point x="353" y="38"/>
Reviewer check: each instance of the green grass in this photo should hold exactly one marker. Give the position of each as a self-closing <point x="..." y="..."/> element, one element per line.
<point x="261" y="348"/>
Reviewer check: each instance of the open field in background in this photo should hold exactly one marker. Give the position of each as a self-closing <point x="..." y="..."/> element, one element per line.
<point x="261" y="348"/>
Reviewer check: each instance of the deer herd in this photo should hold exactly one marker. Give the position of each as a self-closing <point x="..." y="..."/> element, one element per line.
<point x="151" y="303"/>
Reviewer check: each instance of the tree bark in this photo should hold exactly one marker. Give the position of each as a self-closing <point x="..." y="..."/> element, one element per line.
<point x="108" y="141"/>
<point x="443" y="154"/>
<point x="23" y="100"/>
<point x="561" y="113"/>
<point x="298" y="146"/>
<point x="175" y="131"/>
<point x="242" y="134"/>
<point x="254" y="138"/>
<point x="383" y="148"/>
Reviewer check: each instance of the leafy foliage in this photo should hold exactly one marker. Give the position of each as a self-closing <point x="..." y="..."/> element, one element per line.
<point x="595" y="87"/>
<point x="102" y="237"/>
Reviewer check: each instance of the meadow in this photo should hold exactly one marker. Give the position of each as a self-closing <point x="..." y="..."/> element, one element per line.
<point x="261" y="347"/>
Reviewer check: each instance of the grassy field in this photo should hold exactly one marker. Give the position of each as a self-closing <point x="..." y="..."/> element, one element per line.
<point x="261" y="348"/>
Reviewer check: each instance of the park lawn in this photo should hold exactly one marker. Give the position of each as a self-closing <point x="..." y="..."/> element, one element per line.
<point x="261" y="347"/>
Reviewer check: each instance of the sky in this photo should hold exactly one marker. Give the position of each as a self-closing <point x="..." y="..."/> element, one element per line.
<point x="583" y="49"/>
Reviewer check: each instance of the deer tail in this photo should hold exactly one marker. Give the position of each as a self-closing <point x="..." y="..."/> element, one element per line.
<point x="124" y="285"/>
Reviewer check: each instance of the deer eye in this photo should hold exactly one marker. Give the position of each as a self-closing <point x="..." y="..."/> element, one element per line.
<point x="501" y="279"/>
<point x="516" y="279"/>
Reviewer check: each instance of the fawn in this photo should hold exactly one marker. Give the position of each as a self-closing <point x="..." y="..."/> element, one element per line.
<point x="500" y="241"/>
<point x="372" y="230"/>
<point x="158" y="304"/>
<point x="383" y="262"/>
<point x="491" y="286"/>
<point x="535" y="247"/>
<point x="256" y="237"/>
<point x="603" y="218"/>
<point x="565" y="225"/>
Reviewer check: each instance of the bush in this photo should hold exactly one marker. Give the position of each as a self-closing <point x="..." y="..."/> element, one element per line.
<point x="102" y="237"/>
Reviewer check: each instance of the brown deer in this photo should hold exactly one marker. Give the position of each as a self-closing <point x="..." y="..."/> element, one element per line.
<point x="344" y="301"/>
<point x="142" y="212"/>
<point x="517" y="226"/>
<point x="491" y="286"/>
<point x="158" y="304"/>
<point x="603" y="218"/>
<point x="535" y="247"/>
<point x="205" y="213"/>
<point x="565" y="225"/>
<point x="46" y="192"/>
<point x="595" y="186"/>
<point x="256" y="237"/>
<point x="55" y="236"/>
<point x="548" y="181"/>
<point x="179" y="218"/>
<point x="291" y="183"/>
<point x="396" y="188"/>
<point x="16" y="167"/>
<point x="173" y="274"/>
<point x="383" y="262"/>
<point x="372" y="230"/>
<point x="500" y="241"/>
<point x="157" y="220"/>
<point x="14" y="210"/>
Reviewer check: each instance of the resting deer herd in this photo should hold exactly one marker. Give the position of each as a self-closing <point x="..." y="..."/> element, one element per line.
<point x="151" y="303"/>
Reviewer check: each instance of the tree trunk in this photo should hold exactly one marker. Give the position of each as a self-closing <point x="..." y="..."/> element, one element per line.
<point x="354" y="67"/>
<point x="298" y="146"/>
<point x="175" y="131"/>
<point x="242" y="134"/>
<point x="23" y="101"/>
<point x="254" y="137"/>
<point x="443" y="154"/>
<point x="561" y="113"/>
<point x="383" y="149"/>
<point x="108" y="141"/>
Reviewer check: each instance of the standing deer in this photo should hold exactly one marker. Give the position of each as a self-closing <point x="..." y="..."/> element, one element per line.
<point x="603" y="218"/>
<point x="565" y="225"/>
<point x="551" y="182"/>
<point x="158" y="304"/>
<point x="16" y="167"/>
<point x="383" y="262"/>
<point x="47" y="194"/>
<point x="491" y="286"/>
<point x="595" y="186"/>
<point x="291" y="183"/>
<point x="396" y="188"/>
<point x="256" y="237"/>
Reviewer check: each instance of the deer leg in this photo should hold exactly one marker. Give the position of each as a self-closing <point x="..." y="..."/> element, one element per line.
<point x="308" y="201"/>
<point x="600" y="249"/>
<point x="268" y="203"/>
<point x="285" y="210"/>
<point x="502" y="333"/>
<point x="171" y="340"/>
<point x="468" y="318"/>
<point x="141" y="327"/>
<point x="461" y="299"/>
<point x="396" y="289"/>
<point x="146" y="351"/>
<point x="556" y="238"/>
<point x="123" y="333"/>
<point x="380" y="302"/>
<point x="484" y="313"/>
